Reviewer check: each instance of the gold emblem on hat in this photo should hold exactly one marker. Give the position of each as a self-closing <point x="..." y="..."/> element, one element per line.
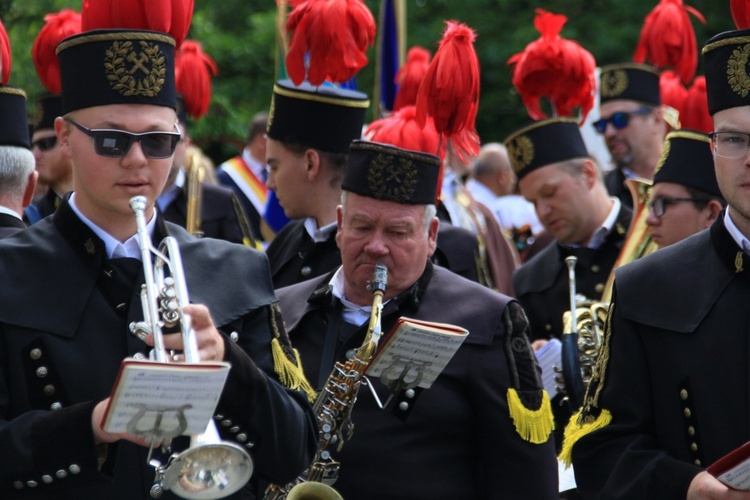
<point x="135" y="73"/>
<point x="38" y="113"/>
<point x="392" y="180"/>
<point x="666" y="147"/>
<point x="521" y="152"/>
<point x="271" y="112"/>
<point x="614" y="83"/>
<point x="737" y="71"/>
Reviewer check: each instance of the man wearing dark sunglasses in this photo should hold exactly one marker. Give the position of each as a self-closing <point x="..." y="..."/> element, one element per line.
<point x="82" y="273"/>
<point x="685" y="197"/>
<point x="55" y="169"/>
<point x="631" y="123"/>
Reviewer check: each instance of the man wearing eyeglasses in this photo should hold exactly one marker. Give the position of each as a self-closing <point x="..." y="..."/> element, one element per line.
<point x="631" y="123"/>
<point x="55" y="169"/>
<point x="71" y="288"/>
<point x="685" y="196"/>
<point x="669" y="396"/>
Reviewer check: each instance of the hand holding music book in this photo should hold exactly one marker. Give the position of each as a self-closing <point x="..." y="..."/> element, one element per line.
<point x="163" y="400"/>
<point x="415" y="352"/>
<point x="733" y="469"/>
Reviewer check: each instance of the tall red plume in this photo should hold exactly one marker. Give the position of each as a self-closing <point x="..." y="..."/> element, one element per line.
<point x="695" y="116"/>
<point x="57" y="27"/>
<point x="450" y="90"/>
<point x="668" y="39"/>
<point x="166" y="16"/>
<point x="557" y="69"/>
<point x="410" y="76"/>
<point x="740" y="13"/>
<point x="6" y="60"/>
<point x="333" y="34"/>
<point x="673" y="92"/>
<point x="402" y="130"/>
<point x="193" y="71"/>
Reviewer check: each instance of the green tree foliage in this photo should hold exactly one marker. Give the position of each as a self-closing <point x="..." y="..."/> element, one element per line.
<point x="240" y="36"/>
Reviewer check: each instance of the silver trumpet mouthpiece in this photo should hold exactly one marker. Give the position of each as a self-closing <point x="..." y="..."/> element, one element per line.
<point x="138" y="203"/>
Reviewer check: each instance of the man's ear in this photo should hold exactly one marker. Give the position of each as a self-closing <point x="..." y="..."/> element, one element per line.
<point x="28" y="194"/>
<point x="590" y="173"/>
<point x="714" y="209"/>
<point x="63" y="134"/>
<point x="312" y="164"/>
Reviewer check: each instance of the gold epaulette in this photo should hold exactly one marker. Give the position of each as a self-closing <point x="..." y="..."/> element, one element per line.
<point x="286" y="361"/>
<point x="579" y="425"/>
<point x="534" y="426"/>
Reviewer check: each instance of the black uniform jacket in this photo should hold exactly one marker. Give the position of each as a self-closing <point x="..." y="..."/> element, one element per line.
<point x="456" y="439"/>
<point x="10" y="225"/>
<point x="542" y="286"/>
<point x="219" y="218"/>
<point x="614" y="181"/>
<point x="64" y="331"/>
<point x="673" y="371"/>
<point x="294" y="257"/>
<point x="47" y="203"/>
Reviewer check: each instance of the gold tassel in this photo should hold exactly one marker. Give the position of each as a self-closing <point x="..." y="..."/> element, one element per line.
<point x="290" y="374"/>
<point x="576" y="429"/>
<point x="534" y="426"/>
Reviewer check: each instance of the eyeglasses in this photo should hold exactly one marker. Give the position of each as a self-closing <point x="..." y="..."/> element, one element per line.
<point x="730" y="144"/>
<point x="116" y="143"/>
<point x="619" y="120"/>
<point x="45" y="143"/>
<point x="659" y="205"/>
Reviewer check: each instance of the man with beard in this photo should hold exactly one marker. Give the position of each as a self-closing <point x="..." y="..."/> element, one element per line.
<point x="632" y="124"/>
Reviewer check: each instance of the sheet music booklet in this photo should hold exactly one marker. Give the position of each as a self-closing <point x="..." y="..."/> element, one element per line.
<point x="150" y="398"/>
<point x="415" y="352"/>
<point x="733" y="469"/>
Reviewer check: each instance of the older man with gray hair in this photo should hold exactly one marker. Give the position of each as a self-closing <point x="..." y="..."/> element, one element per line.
<point x="17" y="174"/>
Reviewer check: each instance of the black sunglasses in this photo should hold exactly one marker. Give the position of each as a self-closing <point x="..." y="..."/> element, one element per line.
<point x="116" y="143"/>
<point x="619" y="120"/>
<point x="45" y="143"/>
<point x="659" y="205"/>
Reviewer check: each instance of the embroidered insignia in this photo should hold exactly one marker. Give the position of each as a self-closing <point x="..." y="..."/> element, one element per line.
<point x="737" y="71"/>
<point x="614" y="83"/>
<point x="135" y="73"/>
<point x="521" y="152"/>
<point x="271" y="112"/>
<point x="38" y="113"/>
<point x="89" y="247"/>
<point x="738" y="259"/>
<point x="664" y="154"/>
<point x="392" y="178"/>
<point x="621" y="229"/>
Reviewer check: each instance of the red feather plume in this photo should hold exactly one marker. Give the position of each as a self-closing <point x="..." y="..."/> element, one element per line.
<point x="410" y="76"/>
<point x="6" y="60"/>
<point x="333" y="34"/>
<point x="165" y="16"/>
<point x="450" y="90"/>
<point x="402" y="130"/>
<point x="668" y="39"/>
<point x="673" y="92"/>
<point x="57" y="27"/>
<point x="740" y="13"/>
<point x="555" y="68"/>
<point x="193" y="71"/>
<point x="695" y="115"/>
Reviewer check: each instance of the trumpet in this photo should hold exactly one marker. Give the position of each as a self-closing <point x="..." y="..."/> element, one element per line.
<point x="210" y="467"/>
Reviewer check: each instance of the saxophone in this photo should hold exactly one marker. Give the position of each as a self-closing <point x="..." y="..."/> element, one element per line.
<point x="333" y="409"/>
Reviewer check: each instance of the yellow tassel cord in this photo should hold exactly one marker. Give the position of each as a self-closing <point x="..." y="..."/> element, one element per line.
<point x="575" y="430"/>
<point x="290" y="374"/>
<point x="534" y="426"/>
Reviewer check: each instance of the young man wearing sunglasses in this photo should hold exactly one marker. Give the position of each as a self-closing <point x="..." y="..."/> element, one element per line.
<point x="73" y="284"/>
<point x="669" y="396"/>
<point x="685" y="197"/>
<point x="632" y="124"/>
<point x="55" y="169"/>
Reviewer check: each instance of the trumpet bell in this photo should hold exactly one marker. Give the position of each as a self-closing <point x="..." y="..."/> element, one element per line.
<point x="209" y="471"/>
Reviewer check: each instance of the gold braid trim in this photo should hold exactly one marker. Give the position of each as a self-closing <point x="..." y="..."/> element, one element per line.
<point x="288" y="369"/>
<point x="534" y="426"/>
<point x="577" y="427"/>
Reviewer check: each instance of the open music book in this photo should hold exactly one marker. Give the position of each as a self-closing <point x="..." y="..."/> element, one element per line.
<point x="733" y="469"/>
<point x="150" y="398"/>
<point x="415" y="352"/>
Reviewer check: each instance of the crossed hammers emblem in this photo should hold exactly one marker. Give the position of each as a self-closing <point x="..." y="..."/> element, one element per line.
<point x="138" y="61"/>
